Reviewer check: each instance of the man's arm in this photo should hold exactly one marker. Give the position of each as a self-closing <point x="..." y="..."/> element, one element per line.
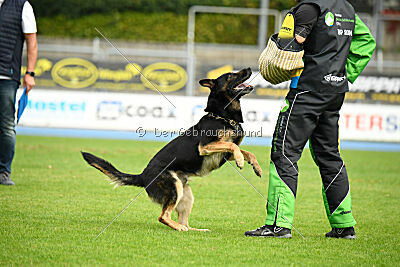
<point x="29" y="30"/>
<point x="306" y="17"/>
<point x="361" y="50"/>
<point x="31" y="45"/>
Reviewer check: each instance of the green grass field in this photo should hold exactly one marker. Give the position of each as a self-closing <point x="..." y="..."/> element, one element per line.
<point x="59" y="205"/>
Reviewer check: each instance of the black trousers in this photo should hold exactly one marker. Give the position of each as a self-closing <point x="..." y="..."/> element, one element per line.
<point x="307" y="116"/>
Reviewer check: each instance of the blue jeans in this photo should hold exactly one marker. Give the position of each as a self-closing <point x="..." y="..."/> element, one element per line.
<point x="8" y="91"/>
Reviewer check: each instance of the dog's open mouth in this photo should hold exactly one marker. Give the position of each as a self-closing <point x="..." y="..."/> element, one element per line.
<point x="244" y="87"/>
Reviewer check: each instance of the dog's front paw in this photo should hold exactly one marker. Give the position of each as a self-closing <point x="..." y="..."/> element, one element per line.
<point x="257" y="169"/>
<point x="240" y="162"/>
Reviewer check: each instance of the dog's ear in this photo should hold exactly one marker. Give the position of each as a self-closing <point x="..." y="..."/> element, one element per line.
<point x="210" y="83"/>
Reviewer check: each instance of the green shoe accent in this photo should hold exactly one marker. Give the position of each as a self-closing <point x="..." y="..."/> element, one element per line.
<point x="280" y="198"/>
<point x="342" y="217"/>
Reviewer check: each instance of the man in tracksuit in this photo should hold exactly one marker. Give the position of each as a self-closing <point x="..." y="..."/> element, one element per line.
<point x="337" y="47"/>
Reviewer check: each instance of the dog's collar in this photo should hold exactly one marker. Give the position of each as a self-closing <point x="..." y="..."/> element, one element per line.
<point x="231" y="122"/>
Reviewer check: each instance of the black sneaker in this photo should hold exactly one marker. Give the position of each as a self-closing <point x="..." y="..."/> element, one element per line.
<point x="346" y="233"/>
<point x="5" y="179"/>
<point x="270" y="231"/>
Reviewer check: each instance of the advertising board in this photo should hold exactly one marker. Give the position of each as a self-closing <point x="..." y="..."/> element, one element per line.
<point x="153" y="113"/>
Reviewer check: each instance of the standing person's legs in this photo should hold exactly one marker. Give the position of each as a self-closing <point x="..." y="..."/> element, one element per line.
<point x="296" y="122"/>
<point x="8" y="90"/>
<point x="325" y="148"/>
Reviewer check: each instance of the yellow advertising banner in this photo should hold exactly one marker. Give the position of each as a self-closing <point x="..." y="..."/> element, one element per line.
<point x="79" y="73"/>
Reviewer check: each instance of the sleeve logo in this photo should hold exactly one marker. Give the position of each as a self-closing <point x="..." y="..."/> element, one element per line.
<point x="285" y="105"/>
<point x="329" y="19"/>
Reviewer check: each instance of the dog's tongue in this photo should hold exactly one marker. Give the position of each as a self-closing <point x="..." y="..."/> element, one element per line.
<point x="242" y="86"/>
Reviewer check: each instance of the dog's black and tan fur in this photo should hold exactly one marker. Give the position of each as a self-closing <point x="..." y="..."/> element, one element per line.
<point x="201" y="149"/>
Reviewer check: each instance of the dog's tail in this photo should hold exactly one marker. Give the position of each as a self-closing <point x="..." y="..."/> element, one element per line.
<point x="117" y="177"/>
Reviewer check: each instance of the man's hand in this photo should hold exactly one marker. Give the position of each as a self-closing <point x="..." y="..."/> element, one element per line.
<point x="300" y="39"/>
<point x="29" y="82"/>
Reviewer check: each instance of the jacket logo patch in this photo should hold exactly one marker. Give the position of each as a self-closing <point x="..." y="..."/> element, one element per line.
<point x="333" y="78"/>
<point x="329" y="19"/>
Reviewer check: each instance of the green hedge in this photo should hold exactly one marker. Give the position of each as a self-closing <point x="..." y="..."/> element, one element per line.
<point x="158" y="27"/>
<point x="74" y="8"/>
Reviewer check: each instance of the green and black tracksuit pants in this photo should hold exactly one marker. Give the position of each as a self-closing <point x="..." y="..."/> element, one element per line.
<point x="305" y="116"/>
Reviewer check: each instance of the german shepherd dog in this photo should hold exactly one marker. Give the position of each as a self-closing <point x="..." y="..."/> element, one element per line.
<point x="199" y="150"/>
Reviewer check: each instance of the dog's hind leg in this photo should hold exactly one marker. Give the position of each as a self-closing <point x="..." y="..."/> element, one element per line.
<point x="184" y="208"/>
<point x="165" y="218"/>
<point x="170" y="205"/>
